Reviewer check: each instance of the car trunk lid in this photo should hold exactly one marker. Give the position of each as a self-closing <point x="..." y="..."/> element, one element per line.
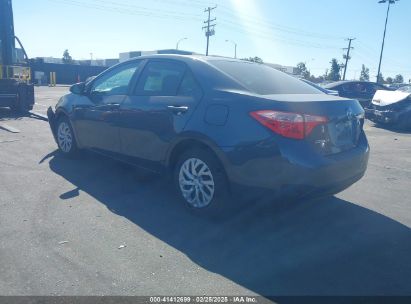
<point x="345" y="119"/>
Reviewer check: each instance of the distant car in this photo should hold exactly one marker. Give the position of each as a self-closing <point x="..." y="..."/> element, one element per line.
<point x="326" y="91"/>
<point x="396" y="86"/>
<point x="363" y="91"/>
<point x="392" y="107"/>
<point x="218" y="126"/>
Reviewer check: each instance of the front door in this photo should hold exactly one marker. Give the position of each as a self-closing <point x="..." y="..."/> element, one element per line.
<point x="159" y="108"/>
<point x="96" y="125"/>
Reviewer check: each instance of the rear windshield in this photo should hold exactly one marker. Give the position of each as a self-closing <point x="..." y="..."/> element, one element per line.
<point x="262" y="79"/>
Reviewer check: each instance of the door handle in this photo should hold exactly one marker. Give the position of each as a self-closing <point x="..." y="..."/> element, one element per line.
<point x="178" y="109"/>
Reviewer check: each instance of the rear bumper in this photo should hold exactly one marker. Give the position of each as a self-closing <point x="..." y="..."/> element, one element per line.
<point x="386" y="117"/>
<point x="296" y="172"/>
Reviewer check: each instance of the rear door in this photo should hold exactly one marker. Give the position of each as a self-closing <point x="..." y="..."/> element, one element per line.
<point x="96" y="125"/>
<point x="164" y="99"/>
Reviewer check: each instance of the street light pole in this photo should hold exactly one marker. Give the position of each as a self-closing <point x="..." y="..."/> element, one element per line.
<point x="385" y="31"/>
<point x="235" y="47"/>
<point x="178" y="42"/>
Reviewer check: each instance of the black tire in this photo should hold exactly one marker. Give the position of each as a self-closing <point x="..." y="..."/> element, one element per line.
<point x="21" y="104"/>
<point x="18" y="106"/>
<point x="221" y="199"/>
<point x="63" y="125"/>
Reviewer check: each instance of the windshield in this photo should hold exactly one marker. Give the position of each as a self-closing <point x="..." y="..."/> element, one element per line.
<point x="262" y="79"/>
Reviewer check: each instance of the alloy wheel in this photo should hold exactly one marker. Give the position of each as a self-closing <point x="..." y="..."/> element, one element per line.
<point x="64" y="137"/>
<point x="196" y="183"/>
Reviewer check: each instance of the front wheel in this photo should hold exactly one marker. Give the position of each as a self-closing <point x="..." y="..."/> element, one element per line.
<point x="200" y="182"/>
<point x="65" y="138"/>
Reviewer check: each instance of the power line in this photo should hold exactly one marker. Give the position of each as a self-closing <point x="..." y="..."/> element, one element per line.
<point x="252" y="20"/>
<point x="164" y="14"/>
<point x="347" y="56"/>
<point x="150" y="10"/>
<point x="210" y="31"/>
<point x="275" y="37"/>
<point x="123" y="10"/>
<point x="249" y="20"/>
<point x="255" y="28"/>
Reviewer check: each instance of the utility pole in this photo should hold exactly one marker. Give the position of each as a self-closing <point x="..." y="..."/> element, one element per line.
<point x="347" y="56"/>
<point x="385" y="30"/>
<point x="209" y="26"/>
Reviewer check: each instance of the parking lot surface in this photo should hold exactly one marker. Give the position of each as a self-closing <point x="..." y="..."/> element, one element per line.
<point x="93" y="227"/>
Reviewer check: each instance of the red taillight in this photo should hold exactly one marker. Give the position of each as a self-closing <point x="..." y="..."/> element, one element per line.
<point x="291" y="125"/>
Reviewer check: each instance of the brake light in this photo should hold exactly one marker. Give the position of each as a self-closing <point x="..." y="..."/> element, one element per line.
<point x="287" y="124"/>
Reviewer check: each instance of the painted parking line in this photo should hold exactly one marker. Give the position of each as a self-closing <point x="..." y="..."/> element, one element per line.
<point x="39" y="115"/>
<point x="9" y="128"/>
<point x="9" y="141"/>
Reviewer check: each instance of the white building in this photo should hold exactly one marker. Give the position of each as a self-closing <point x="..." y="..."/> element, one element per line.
<point x="283" y="68"/>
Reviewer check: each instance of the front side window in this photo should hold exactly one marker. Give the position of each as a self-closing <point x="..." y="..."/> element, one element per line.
<point x="160" y="79"/>
<point x="116" y="81"/>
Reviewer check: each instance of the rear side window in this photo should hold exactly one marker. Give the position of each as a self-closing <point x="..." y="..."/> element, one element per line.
<point x="160" y="79"/>
<point x="262" y="79"/>
<point x="358" y="88"/>
<point x="190" y="87"/>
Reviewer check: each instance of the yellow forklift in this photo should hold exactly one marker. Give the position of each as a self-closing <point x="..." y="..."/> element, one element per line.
<point x="16" y="88"/>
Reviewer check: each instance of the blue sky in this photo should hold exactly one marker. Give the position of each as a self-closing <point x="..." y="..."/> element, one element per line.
<point x="284" y="32"/>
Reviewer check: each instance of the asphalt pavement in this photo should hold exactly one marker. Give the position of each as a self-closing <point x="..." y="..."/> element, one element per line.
<point x="93" y="226"/>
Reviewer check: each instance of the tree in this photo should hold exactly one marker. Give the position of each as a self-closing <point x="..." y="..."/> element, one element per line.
<point x="302" y="70"/>
<point x="389" y="80"/>
<point x="67" y="59"/>
<point x="334" y="74"/>
<point x="399" y="79"/>
<point x="365" y="74"/>
<point x="326" y="74"/>
<point x="254" y="59"/>
<point x="318" y="79"/>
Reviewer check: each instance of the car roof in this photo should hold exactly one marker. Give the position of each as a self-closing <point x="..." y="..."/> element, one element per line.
<point x="187" y="58"/>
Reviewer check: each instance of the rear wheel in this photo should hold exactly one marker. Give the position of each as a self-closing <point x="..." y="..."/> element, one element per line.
<point x="65" y="138"/>
<point x="200" y="182"/>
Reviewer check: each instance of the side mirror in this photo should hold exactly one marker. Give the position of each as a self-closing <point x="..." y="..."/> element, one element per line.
<point x="78" y="88"/>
